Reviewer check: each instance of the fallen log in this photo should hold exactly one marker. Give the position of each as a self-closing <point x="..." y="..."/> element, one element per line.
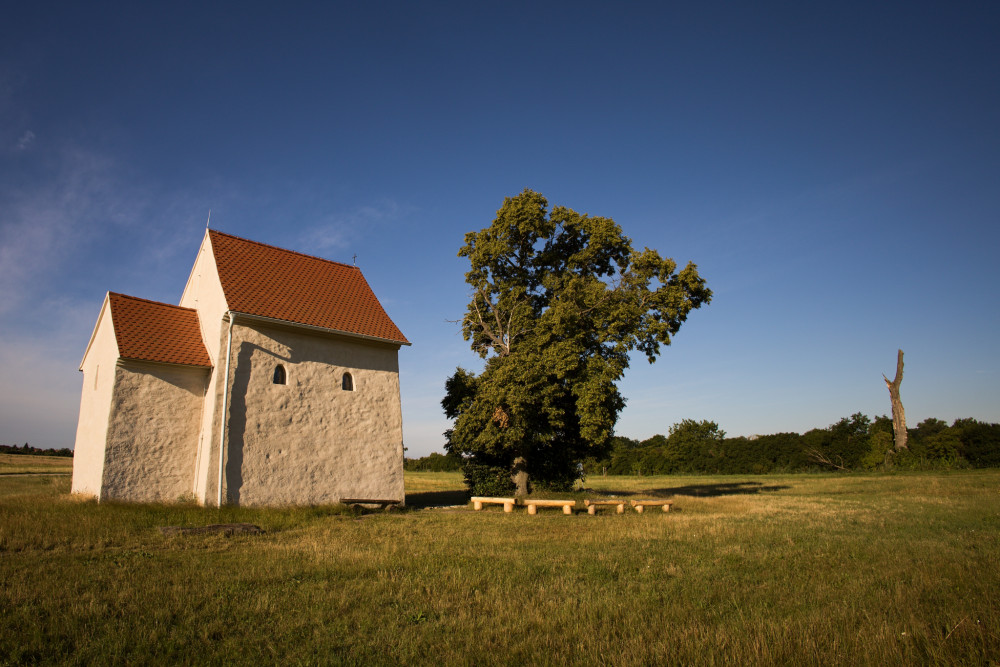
<point x="226" y="529"/>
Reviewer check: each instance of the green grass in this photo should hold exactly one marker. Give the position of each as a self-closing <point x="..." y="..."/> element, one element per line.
<point x="784" y="569"/>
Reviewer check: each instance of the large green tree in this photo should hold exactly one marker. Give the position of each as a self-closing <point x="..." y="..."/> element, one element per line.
<point x="558" y="302"/>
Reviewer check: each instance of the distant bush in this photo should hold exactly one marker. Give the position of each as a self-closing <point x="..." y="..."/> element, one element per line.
<point x="434" y="462"/>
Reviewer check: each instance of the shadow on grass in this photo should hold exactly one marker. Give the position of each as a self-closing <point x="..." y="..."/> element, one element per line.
<point x="437" y="499"/>
<point x="705" y="490"/>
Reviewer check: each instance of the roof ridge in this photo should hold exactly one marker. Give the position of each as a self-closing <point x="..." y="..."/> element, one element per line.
<point x="155" y="303"/>
<point x="293" y="252"/>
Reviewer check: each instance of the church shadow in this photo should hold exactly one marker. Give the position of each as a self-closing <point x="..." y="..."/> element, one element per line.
<point x="236" y="426"/>
<point x="437" y="499"/>
<point x="237" y="417"/>
<point x="706" y="490"/>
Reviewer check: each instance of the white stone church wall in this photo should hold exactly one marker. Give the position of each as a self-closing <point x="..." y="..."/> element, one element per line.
<point x="153" y="432"/>
<point x="309" y="441"/>
<point x="95" y="400"/>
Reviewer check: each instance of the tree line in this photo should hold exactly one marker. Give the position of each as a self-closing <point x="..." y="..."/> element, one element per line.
<point x="28" y="449"/>
<point x="434" y="462"/>
<point x="853" y="443"/>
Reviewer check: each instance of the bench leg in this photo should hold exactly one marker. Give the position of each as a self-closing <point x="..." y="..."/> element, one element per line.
<point x="567" y="509"/>
<point x="666" y="508"/>
<point x="639" y="508"/>
<point x="508" y="507"/>
<point x="532" y="509"/>
<point x="477" y="505"/>
<point x="592" y="509"/>
<point x="621" y="508"/>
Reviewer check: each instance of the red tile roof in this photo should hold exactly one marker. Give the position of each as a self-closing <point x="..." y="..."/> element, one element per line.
<point x="154" y="331"/>
<point x="263" y="280"/>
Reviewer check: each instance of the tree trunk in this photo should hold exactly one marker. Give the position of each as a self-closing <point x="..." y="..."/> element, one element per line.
<point x="898" y="416"/>
<point x="519" y="475"/>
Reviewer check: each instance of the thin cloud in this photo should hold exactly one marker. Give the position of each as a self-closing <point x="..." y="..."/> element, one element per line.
<point x="339" y="231"/>
<point x="26" y="140"/>
<point x="43" y="229"/>
<point x="38" y="228"/>
<point x="332" y="235"/>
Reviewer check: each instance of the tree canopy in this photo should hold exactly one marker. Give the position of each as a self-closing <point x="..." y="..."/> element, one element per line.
<point x="558" y="302"/>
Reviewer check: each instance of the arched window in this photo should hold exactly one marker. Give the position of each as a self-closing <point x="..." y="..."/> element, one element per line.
<point x="347" y="383"/>
<point x="279" y="374"/>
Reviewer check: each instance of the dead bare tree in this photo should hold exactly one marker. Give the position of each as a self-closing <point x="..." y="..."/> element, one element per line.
<point x="816" y="456"/>
<point x="898" y="416"/>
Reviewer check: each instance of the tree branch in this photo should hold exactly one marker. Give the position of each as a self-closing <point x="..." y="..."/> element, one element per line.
<point x="819" y="457"/>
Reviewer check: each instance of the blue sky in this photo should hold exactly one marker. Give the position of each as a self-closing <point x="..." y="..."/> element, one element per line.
<point x="833" y="169"/>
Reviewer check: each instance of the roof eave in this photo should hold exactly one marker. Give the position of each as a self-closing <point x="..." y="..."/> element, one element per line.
<point x="312" y="327"/>
<point x="179" y="364"/>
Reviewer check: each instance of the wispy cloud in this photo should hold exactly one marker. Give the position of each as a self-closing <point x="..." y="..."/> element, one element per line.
<point x="26" y="140"/>
<point x="330" y="235"/>
<point x="41" y="225"/>
<point x="341" y="230"/>
<point x="14" y="116"/>
<point x="91" y="209"/>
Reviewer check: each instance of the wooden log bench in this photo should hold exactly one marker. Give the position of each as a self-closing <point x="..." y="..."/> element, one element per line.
<point x="593" y="504"/>
<point x="479" y="501"/>
<point x="639" y="505"/>
<point x="534" y="503"/>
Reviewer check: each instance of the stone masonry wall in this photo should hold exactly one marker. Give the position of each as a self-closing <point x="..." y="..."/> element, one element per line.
<point x="309" y="441"/>
<point x="153" y="432"/>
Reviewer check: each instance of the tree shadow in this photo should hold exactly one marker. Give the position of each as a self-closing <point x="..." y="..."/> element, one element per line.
<point x="437" y="499"/>
<point x="705" y="490"/>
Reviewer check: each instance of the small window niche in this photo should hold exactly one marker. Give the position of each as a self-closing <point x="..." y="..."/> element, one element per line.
<point x="279" y="374"/>
<point x="347" y="382"/>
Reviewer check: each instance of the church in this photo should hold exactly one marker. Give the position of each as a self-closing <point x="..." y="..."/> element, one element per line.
<point x="275" y="381"/>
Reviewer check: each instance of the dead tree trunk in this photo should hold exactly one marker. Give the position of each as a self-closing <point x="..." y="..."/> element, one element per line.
<point x="898" y="416"/>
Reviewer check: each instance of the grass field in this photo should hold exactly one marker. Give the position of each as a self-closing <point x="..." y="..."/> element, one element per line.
<point x="16" y="464"/>
<point x="794" y="569"/>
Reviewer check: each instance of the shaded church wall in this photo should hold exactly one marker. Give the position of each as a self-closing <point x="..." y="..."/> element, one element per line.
<point x="153" y="430"/>
<point x="309" y="441"/>
<point x="95" y="404"/>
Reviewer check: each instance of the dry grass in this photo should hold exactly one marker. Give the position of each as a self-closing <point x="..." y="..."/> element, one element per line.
<point x="792" y="569"/>
<point x="27" y="463"/>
